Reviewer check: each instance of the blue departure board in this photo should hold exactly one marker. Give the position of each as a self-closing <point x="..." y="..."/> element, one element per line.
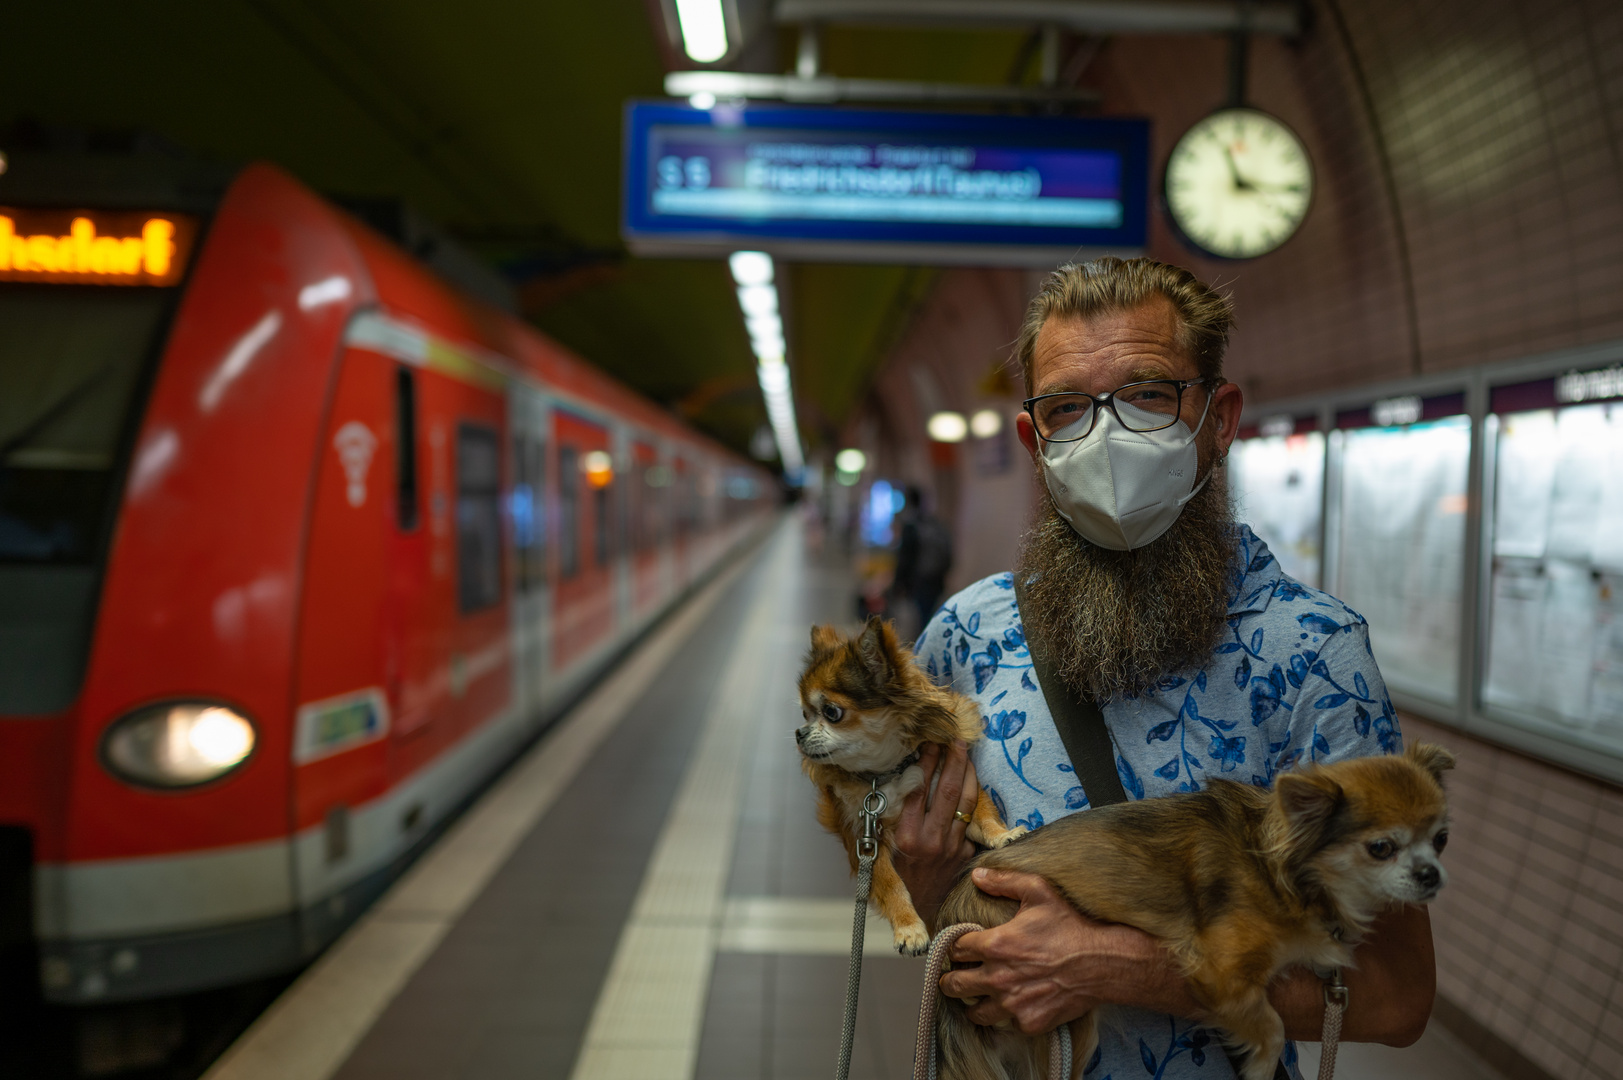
<point x="882" y="185"/>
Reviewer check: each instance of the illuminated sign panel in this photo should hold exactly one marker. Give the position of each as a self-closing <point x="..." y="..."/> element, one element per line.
<point x="92" y="247"/>
<point x="851" y="183"/>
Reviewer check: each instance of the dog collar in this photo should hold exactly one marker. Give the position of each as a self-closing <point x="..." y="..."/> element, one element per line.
<point x="879" y="778"/>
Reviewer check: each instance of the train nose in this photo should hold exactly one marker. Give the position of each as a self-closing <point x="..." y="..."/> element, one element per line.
<point x="1427" y="877"/>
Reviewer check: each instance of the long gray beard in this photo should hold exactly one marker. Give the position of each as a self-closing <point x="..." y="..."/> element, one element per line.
<point x="1116" y="622"/>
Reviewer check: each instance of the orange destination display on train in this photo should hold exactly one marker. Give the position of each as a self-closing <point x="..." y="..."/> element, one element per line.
<point x="79" y="247"/>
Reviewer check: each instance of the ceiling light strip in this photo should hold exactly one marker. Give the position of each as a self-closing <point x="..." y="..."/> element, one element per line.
<point x="758" y="299"/>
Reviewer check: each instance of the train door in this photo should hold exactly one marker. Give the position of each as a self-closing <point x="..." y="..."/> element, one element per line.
<point x="583" y="596"/>
<point x="529" y="522"/>
<point x="646" y="485"/>
<point x="346" y="686"/>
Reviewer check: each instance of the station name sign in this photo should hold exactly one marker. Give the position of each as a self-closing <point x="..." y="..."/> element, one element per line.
<point x="880" y="185"/>
<point x="89" y="247"/>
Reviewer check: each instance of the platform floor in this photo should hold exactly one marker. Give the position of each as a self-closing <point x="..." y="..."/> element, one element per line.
<point x="646" y="895"/>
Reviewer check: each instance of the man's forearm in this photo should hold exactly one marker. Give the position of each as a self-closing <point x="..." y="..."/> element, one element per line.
<point x="1390" y="990"/>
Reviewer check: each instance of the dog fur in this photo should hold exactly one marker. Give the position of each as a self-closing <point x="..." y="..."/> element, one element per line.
<point x="1238" y="883"/>
<point x="867" y="708"/>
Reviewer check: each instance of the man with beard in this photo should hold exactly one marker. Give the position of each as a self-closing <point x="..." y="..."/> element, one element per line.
<point x="1205" y="659"/>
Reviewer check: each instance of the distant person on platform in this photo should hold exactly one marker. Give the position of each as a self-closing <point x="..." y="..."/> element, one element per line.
<point x="923" y="556"/>
<point x="1203" y="657"/>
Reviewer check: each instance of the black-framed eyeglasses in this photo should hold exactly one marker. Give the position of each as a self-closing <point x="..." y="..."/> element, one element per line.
<point x="1152" y="404"/>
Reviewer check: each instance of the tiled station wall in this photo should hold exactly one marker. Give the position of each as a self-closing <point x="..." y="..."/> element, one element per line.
<point x="1469" y="209"/>
<point x="1529" y="930"/>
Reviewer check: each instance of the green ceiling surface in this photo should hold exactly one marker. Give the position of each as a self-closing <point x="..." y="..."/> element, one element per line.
<point x="502" y="121"/>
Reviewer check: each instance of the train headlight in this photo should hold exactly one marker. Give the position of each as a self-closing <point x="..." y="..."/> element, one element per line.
<point x="178" y="744"/>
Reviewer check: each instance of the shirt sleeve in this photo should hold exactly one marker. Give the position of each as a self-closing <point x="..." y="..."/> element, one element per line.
<point x="1341" y="707"/>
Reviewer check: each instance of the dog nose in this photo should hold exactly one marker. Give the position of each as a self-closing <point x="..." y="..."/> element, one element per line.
<point x="1427" y="877"/>
<point x="800" y="734"/>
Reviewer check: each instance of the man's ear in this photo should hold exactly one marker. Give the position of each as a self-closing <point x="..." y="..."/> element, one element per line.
<point x="1228" y="402"/>
<point x="877" y="649"/>
<point x="824" y="638"/>
<point x="1431" y="757"/>
<point x="1027" y="432"/>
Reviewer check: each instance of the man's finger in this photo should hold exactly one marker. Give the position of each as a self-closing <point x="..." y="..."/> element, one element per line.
<point x="919" y="798"/>
<point x="951" y="787"/>
<point x="968" y="949"/>
<point x="963" y="983"/>
<point x="987" y="1012"/>
<point x="1014" y="884"/>
<point x="971" y="793"/>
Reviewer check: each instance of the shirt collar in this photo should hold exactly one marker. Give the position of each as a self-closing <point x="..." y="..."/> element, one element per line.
<point x="1256" y="573"/>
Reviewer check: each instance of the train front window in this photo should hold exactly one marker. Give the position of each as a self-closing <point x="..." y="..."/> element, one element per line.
<point x="70" y="363"/>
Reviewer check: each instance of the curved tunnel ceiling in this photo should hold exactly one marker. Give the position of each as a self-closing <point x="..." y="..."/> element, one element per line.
<point x="501" y="121"/>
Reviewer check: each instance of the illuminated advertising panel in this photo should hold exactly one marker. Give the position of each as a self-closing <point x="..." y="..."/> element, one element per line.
<point x="849" y="183"/>
<point x="94" y="247"/>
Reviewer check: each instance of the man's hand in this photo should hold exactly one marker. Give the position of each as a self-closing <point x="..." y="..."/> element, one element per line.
<point x="1050" y="964"/>
<point x="930" y="846"/>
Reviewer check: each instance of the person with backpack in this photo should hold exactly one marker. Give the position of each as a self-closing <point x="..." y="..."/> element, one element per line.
<point x="923" y="556"/>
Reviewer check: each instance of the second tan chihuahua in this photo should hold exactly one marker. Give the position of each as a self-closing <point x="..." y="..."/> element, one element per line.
<point x="868" y="709"/>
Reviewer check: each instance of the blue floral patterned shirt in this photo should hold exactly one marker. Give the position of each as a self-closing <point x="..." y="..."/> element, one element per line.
<point x="1295" y="679"/>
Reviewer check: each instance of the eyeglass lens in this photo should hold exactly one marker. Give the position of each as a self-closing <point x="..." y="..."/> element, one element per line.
<point x="1141" y="406"/>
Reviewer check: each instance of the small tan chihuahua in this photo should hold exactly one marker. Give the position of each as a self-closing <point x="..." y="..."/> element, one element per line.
<point x="868" y="709"/>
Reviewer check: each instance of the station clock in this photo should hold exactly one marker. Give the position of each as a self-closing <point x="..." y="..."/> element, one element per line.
<point x="1238" y="183"/>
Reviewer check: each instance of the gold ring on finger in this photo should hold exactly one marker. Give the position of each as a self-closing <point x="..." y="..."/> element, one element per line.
<point x="961" y="816"/>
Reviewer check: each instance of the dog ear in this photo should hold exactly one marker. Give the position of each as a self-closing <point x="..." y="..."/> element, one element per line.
<point x="824" y="638"/>
<point x="1308" y="800"/>
<point x="1430" y="757"/>
<point x="876" y="648"/>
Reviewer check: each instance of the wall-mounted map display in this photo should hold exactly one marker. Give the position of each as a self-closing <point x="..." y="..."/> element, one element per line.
<point x="1277" y="482"/>
<point x="1555" y="617"/>
<point x="1401" y="546"/>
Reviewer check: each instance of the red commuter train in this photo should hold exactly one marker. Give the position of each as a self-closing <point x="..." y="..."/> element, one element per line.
<point x="298" y="545"/>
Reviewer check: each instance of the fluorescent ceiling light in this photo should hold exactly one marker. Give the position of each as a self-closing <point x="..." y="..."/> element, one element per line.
<point x="947" y="427"/>
<point x="751" y="267"/>
<point x="772" y="347"/>
<point x="767" y="326"/>
<point x="704" y="30"/>
<point x="758" y="300"/>
<point x="850" y="460"/>
<point x="704" y="99"/>
<point x="986" y="423"/>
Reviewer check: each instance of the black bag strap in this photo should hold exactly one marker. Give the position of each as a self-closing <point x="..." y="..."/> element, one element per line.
<point x="1080" y="724"/>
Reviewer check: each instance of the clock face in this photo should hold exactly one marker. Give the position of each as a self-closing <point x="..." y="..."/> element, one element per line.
<point x="1239" y="183"/>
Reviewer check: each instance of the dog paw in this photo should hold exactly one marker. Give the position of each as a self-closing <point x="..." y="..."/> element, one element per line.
<point x="912" y="939"/>
<point x="1009" y="837"/>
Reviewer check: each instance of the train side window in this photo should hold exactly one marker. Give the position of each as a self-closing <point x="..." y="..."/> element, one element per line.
<point x="568" y="511"/>
<point x="528" y="511"/>
<point x="478" y="517"/>
<point x="600" y="539"/>
<point x="405" y="452"/>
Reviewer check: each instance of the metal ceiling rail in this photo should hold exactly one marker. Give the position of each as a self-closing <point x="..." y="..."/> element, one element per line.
<point x="827" y="89"/>
<point x="1086" y="16"/>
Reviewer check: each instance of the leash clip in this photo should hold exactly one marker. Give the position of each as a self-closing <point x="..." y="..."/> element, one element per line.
<point x="1336" y="992"/>
<point x="873" y="806"/>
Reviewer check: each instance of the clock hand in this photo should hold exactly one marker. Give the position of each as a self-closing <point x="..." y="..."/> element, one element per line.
<point x="1240" y="183"/>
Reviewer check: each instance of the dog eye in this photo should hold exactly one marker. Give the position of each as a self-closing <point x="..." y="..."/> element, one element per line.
<point x="832" y="713"/>
<point x="1440" y="841"/>
<point x="1383" y="849"/>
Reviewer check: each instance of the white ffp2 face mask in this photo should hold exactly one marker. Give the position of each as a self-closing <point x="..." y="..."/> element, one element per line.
<point x="1122" y="489"/>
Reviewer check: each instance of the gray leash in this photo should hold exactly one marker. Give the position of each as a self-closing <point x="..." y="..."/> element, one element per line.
<point x="873" y="806"/>
<point x="924" y="1048"/>
<point x="1335" y="1003"/>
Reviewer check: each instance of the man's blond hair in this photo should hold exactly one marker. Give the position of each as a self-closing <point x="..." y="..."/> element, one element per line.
<point x="1109" y="285"/>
